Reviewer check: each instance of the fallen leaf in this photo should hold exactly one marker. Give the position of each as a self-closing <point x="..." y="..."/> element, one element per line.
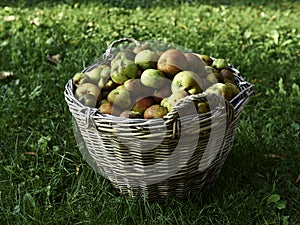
<point x="9" y="18"/>
<point x="77" y="171"/>
<point x="36" y="21"/>
<point x="55" y="59"/>
<point x="30" y="153"/>
<point x="298" y="180"/>
<point x="274" y="156"/>
<point x="5" y="74"/>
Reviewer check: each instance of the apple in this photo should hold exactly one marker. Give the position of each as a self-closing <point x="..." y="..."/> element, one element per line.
<point x="234" y="89"/>
<point x="81" y="78"/>
<point x="195" y="64"/>
<point x="164" y="92"/>
<point x="210" y="69"/>
<point x="88" y="100"/>
<point x="134" y="86"/>
<point x="120" y="98"/>
<point x="142" y="104"/>
<point x="171" y="62"/>
<point x="215" y="78"/>
<point x="206" y="83"/>
<point x="171" y="101"/>
<point x="188" y="81"/>
<point x="220" y="89"/>
<point x="203" y="107"/>
<point x="88" y="88"/>
<point x="95" y="73"/>
<point x="153" y="78"/>
<point x="125" y="54"/>
<point x="141" y="47"/>
<point x="206" y="59"/>
<point x="155" y="111"/>
<point x="146" y="59"/>
<point x="122" y="70"/>
<point x="227" y="74"/>
<point x="220" y="64"/>
<point x="131" y="114"/>
<point x="109" y="108"/>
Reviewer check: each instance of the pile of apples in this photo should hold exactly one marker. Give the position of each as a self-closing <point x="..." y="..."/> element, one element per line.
<point x="144" y="83"/>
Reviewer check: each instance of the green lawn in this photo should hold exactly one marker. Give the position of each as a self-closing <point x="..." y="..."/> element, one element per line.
<point x="43" y="177"/>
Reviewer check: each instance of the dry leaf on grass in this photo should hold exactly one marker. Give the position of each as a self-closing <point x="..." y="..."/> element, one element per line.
<point x="5" y="74"/>
<point x="298" y="180"/>
<point x="55" y="59"/>
<point x="77" y="171"/>
<point x="30" y="153"/>
<point x="274" y="156"/>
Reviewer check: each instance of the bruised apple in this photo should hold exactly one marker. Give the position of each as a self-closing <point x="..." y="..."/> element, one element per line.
<point x="88" y="88"/>
<point x="171" y="62"/>
<point x="88" y="100"/>
<point x="195" y="64"/>
<point x="81" y="78"/>
<point x="134" y="85"/>
<point x="109" y="108"/>
<point x="142" y="104"/>
<point x="155" y="111"/>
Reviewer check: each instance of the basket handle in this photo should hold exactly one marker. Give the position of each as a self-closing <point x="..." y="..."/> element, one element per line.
<point x="108" y="55"/>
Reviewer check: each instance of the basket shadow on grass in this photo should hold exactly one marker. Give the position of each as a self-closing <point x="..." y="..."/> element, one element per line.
<point x="148" y="3"/>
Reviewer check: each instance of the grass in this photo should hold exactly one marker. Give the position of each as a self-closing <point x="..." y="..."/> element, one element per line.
<point x="43" y="178"/>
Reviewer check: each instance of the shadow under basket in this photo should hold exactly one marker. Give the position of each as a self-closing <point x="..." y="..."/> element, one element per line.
<point x="177" y="155"/>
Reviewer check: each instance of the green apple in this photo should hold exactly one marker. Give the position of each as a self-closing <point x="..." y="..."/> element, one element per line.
<point x="205" y="58"/>
<point x="141" y="47"/>
<point x="153" y="78"/>
<point x="215" y="78"/>
<point x="81" y="78"/>
<point x="203" y="107"/>
<point x="210" y="69"/>
<point x="122" y="70"/>
<point x="171" y="101"/>
<point x="171" y="62"/>
<point x="187" y="81"/>
<point x="131" y="114"/>
<point x="155" y="111"/>
<point x="88" y="88"/>
<point x="125" y="54"/>
<point x="105" y="83"/>
<point x="146" y="59"/>
<point x="95" y="73"/>
<point x="220" y="64"/>
<point x="220" y="89"/>
<point x="88" y="100"/>
<point x="234" y="89"/>
<point x="120" y="98"/>
<point x="195" y="64"/>
<point x="142" y="104"/>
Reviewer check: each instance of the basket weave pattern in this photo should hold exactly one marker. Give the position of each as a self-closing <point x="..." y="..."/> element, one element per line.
<point x="125" y="151"/>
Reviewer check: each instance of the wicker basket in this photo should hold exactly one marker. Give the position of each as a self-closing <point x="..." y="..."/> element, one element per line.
<point x="187" y="158"/>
